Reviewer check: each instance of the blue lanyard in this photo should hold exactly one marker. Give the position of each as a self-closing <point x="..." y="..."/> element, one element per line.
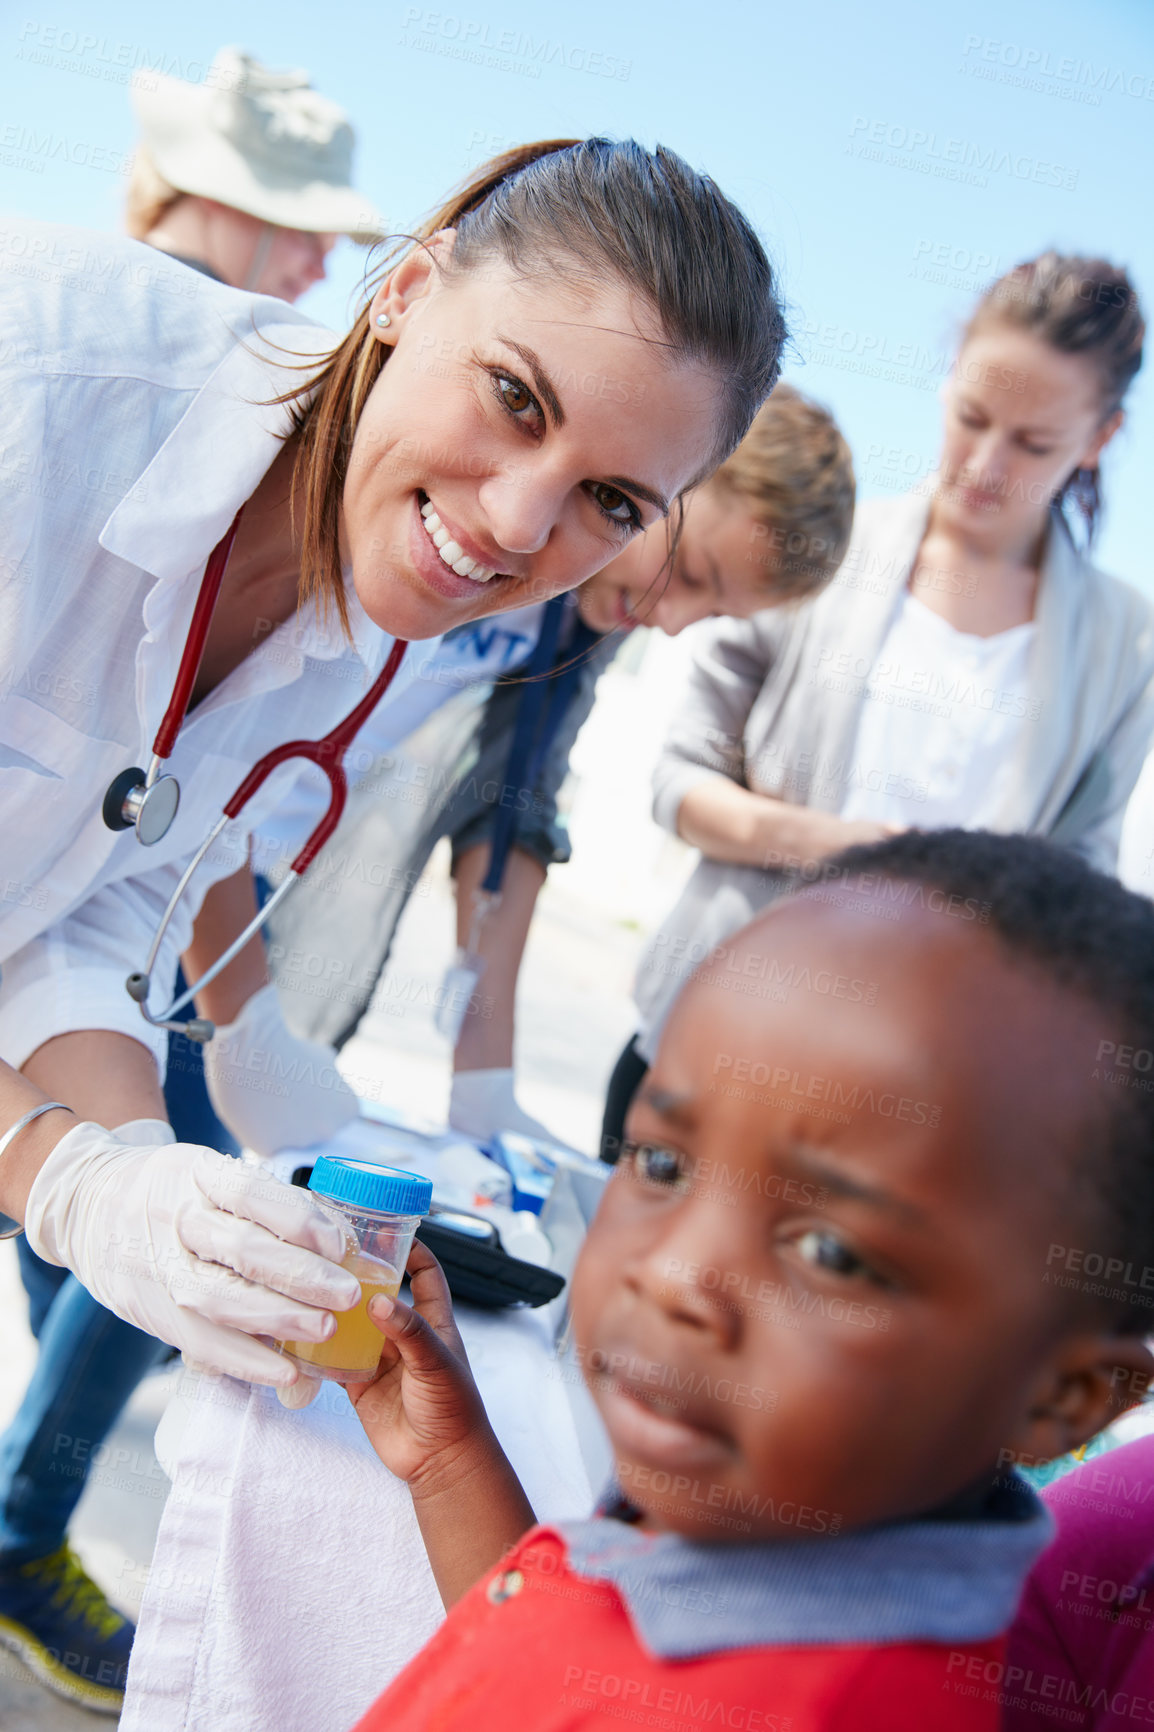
<point x="545" y="696"/>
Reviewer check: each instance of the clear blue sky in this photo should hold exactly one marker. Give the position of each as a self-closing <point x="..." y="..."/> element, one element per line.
<point x="893" y="157"/>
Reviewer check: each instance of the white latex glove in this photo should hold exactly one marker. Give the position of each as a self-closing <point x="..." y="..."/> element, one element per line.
<point x="282" y="1166"/>
<point x="193" y="1247"/>
<point x="483" y="1102"/>
<point x="272" y="1090"/>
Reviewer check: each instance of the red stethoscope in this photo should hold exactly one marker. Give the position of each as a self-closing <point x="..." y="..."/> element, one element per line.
<point x="148" y="802"/>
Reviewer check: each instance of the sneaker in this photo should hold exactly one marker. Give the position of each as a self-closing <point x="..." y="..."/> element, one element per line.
<point x="59" y="1622"/>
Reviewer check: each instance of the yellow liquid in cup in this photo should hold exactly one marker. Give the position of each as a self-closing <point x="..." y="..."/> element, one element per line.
<point x="355" y="1349"/>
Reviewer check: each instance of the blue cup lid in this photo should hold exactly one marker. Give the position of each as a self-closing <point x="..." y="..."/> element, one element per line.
<point x="364" y="1185"/>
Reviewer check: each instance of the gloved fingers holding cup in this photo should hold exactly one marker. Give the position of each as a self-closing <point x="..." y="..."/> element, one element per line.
<point x="198" y="1249"/>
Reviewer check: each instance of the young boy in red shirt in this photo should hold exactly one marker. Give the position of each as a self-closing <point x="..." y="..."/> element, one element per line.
<point x="814" y="1312"/>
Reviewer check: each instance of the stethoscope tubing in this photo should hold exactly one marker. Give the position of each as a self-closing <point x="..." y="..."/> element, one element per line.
<point x="326" y="753"/>
<point x="198" y="629"/>
<point x="199" y="1028"/>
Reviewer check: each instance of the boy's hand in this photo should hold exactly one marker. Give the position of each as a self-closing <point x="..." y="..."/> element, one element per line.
<point x="422" y="1411"/>
<point x="424" y="1416"/>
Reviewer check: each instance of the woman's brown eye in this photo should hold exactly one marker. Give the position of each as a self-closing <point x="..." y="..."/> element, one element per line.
<point x="517" y="398"/>
<point x="616" y="506"/>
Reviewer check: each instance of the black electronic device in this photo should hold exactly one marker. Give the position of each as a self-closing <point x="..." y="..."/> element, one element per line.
<point x="480" y="1271"/>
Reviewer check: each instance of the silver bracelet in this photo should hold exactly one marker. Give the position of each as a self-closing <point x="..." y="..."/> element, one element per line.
<point x="10" y="1229"/>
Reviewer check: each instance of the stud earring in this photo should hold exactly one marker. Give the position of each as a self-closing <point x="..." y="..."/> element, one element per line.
<point x="383" y="319"/>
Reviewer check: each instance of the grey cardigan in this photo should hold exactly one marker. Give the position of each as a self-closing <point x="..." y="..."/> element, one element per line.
<point x="773" y="703"/>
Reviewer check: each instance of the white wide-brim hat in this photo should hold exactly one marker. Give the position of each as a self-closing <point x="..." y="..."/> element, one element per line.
<point x="261" y="141"/>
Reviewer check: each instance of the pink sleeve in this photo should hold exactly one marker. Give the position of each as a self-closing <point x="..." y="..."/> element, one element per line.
<point x="1084" y="1634"/>
<point x="1041" y="1669"/>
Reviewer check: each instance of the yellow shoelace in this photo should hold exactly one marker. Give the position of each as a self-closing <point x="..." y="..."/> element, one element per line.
<point x="74" y="1590"/>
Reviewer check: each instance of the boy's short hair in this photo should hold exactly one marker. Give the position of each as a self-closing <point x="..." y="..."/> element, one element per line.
<point x="793" y="471"/>
<point x="1094" y="938"/>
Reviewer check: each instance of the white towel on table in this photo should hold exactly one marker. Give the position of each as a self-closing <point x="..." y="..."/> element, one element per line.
<point x="289" y="1583"/>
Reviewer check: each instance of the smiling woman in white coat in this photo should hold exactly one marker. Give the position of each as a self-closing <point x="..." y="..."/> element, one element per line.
<point x="445" y="461"/>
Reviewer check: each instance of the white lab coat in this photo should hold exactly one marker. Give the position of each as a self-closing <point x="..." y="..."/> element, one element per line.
<point x="137" y="418"/>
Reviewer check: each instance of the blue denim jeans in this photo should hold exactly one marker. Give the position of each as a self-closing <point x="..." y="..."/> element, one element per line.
<point x="89" y="1363"/>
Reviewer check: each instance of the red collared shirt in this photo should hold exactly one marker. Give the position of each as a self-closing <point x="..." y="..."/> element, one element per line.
<point x="536" y="1647"/>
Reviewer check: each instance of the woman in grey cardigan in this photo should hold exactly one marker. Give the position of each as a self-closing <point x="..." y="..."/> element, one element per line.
<point x="968" y="665"/>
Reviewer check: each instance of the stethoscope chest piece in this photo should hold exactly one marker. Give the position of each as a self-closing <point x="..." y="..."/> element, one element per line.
<point x="147" y="803"/>
<point x="149" y="808"/>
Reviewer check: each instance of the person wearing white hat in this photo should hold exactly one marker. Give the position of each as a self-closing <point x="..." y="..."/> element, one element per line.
<point x="246" y="177"/>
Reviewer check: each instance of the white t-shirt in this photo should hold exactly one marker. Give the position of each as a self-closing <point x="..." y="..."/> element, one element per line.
<point x="942" y="716"/>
